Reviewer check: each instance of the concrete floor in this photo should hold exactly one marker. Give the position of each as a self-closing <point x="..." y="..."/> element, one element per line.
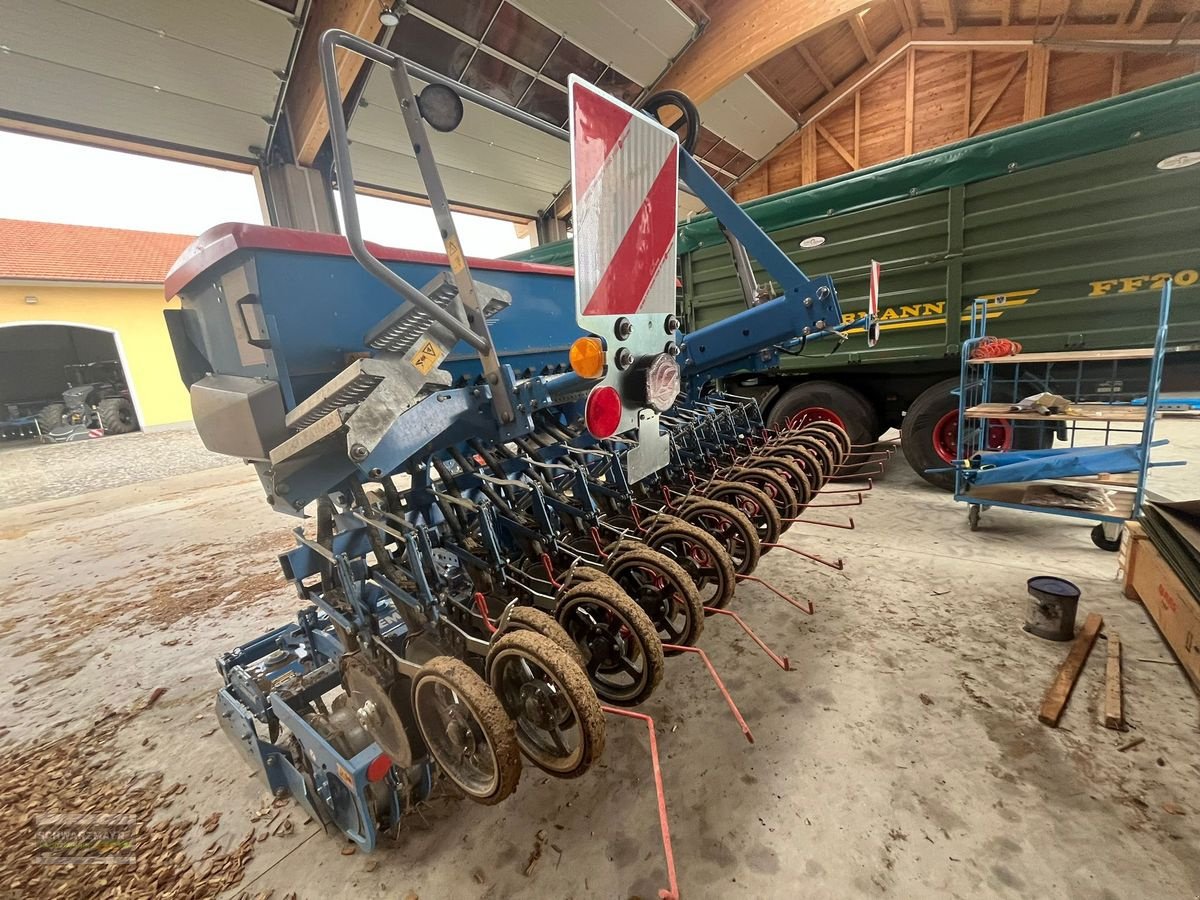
<point x="901" y="757"/>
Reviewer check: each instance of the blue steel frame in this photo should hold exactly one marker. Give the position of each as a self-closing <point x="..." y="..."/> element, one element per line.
<point x="976" y="333"/>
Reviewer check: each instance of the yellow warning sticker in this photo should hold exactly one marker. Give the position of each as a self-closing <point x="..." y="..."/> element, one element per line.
<point x="455" y="255"/>
<point x="427" y="355"/>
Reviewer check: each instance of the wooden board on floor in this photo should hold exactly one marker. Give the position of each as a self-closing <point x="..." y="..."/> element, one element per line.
<point x="1176" y="611"/>
<point x="1114" y="715"/>
<point x="1068" y="673"/>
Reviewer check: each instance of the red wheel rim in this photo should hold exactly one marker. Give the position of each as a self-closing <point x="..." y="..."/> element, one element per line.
<point x="945" y="437"/>
<point x="811" y="414"/>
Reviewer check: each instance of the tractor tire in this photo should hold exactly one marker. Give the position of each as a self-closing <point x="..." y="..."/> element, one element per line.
<point x="50" y="416"/>
<point x="855" y="412"/>
<point x="922" y="433"/>
<point x="116" y="415"/>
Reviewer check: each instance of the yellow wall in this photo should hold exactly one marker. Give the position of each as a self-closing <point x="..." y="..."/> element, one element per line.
<point x="135" y="314"/>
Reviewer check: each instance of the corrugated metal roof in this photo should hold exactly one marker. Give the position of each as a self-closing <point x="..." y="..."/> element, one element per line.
<point x="48" y="251"/>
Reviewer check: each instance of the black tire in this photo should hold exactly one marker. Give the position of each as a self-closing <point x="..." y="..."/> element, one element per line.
<point x="604" y="622"/>
<point x="116" y="415"/>
<point x="528" y="618"/>
<point x="1102" y="541"/>
<point x="543" y="689"/>
<point x="662" y="588"/>
<point x="702" y="557"/>
<point x="774" y="486"/>
<point x="730" y="526"/>
<point x="753" y="503"/>
<point x="50" y="416"/>
<point x="917" y="433"/>
<point x="458" y="683"/>
<point x="856" y="412"/>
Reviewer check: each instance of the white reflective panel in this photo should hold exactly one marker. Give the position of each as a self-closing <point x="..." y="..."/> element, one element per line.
<point x="746" y="117"/>
<point x="489" y="161"/>
<point x="637" y="37"/>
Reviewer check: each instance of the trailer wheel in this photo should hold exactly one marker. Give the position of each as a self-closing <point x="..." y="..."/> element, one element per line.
<point x="930" y="430"/>
<point x="817" y="399"/>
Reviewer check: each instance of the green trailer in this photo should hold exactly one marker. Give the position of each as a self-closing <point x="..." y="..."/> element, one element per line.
<point x="1069" y="224"/>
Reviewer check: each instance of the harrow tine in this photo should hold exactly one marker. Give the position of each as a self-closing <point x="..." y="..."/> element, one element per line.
<point x="836" y="566"/>
<point x="857" y="476"/>
<point x="870" y="486"/>
<point x="858" y="502"/>
<point x="737" y="714"/>
<point x="671" y="892"/>
<point x="799" y="521"/>
<point x="807" y="609"/>
<point x="781" y="661"/>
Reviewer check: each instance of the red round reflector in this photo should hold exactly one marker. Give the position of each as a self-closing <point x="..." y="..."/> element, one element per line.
<point x="379" y="767"/>
<point x="603" y="411"/>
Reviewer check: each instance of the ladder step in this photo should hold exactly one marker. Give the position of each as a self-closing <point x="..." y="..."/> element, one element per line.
<point x="406" y="324"/>
<point x="352" y="385"/>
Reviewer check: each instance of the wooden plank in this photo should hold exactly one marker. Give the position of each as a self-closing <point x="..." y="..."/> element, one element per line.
<point x="743" y="34"/>
<point x="1070" y="356"/>
<point x="1143" y="13"/>
<point x="1127" y="557"/>
<point x="901" y="9"/>
<point x="811" y="62"/>
<point x="1035" y="83"/>
<point x="305" y="100"/>
<point x="1114" y="716"/>
<point x="808" y="155"/>
<point x="836" y="145"/>
<point x="949" y="16"/>
<point x="1006" y="11"/>
<point x="995" y="96"/>
<point x="910" y="90"/>
<point x="857" y="79"/>
<point x="857" y="128"/>
<point x="1018" y="492"/>
<point x="968" y="78"/>
<point x="1174" y="609"/>
<point x="1118" y="73"/>
<point x="1104" y="412"/>
<point x="1068" y="673"/>
<point x="860" y="34"/>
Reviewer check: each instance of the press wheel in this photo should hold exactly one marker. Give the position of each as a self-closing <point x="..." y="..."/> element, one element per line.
<point x="661" y="587"/>
<point x="773" y="485"/>
<point x="701" y="556"/>
<point x="466" y="729"/>
<point x="753" y="503"/>
<point x="806" y="458"/>
<point x="790" y="471"/>
<point x="528" y="618"/>
<point x="730" y="526"/>
<point x="623" y="655"/>
<point x="836" y="433"/>
<point x="811" y="442"/>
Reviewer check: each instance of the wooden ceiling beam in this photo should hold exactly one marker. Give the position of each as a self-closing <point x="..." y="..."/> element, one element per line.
<point x="1158" y="32"/>
<point x="860" y="34"/>
<point x="305" y="100"/>
<point x="1143" y="13"/>
<point x="856" y="79"/>
<point x="949" y="16"/>
<point x="811" y="62"/>
<point x="743" y="34"/>
<point x="902" y="13"/>
<point x="994" y="97"/>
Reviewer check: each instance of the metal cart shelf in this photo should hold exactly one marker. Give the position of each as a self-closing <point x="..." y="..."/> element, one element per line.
<point x="1101" y="412"/>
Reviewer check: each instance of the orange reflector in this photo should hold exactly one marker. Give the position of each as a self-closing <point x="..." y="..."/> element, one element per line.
<point x="603" y="411"/>
<point x="587" y="357"/>
<point x="378" y="768"/>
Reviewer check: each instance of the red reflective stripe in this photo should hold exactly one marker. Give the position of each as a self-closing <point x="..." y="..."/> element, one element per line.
<point x="637" y="261"/>
<point x="599" y="125"/>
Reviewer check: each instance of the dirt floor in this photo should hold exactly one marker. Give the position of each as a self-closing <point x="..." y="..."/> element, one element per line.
<point x="901" y="756"/>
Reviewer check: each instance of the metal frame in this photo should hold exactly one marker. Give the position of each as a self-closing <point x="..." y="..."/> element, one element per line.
<point x="977" y="389"/>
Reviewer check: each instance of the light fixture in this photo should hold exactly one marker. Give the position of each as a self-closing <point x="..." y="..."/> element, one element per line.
<point x="1179" y="161"/>
<point x="388" y="17"/>
<point x="31" y="300"/>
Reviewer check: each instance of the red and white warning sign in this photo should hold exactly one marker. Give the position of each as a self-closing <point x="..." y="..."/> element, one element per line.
<point x="624" y="172"/>
<point x="873" y="305"/>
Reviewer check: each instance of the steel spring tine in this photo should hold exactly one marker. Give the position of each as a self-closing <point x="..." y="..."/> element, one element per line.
<point x="488" y="491"/>
<point x="585" y="451"/>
